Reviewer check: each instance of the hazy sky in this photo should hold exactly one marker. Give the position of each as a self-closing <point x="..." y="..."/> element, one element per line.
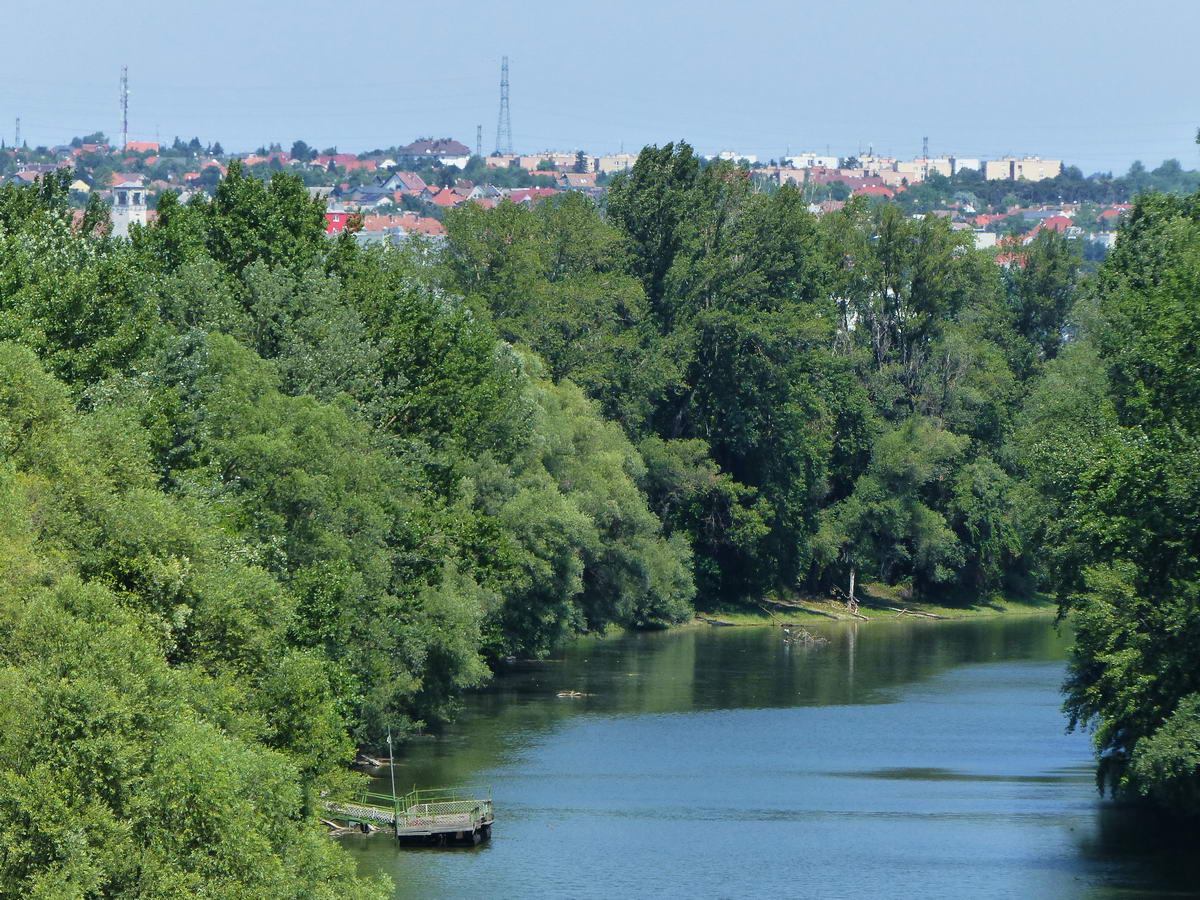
<point x="1099" y="84"/>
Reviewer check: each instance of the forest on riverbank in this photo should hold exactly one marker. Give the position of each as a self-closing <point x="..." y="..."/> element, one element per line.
<point x="265" y="495"/>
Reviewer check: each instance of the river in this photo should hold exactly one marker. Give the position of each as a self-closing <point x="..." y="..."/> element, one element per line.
<point x="901" y="759"/>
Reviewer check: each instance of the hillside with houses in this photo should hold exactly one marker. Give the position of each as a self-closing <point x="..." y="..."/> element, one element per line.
<point x="383" y="196"/>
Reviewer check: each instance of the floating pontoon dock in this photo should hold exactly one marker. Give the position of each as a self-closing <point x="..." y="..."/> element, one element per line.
<point x="431" y="816"/>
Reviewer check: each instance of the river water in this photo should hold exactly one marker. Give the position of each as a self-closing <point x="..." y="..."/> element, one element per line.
<point x="900" y="759"/>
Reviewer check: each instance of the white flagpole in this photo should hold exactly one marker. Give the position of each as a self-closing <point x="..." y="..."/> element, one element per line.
<point x="391" y="767"/>
<point x="392" y="773"/>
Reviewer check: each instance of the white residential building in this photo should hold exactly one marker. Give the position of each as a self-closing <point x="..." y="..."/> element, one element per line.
<point x="812" y="161"/>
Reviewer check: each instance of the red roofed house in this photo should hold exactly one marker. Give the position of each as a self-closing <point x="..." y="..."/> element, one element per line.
<point x="577" y="181"/>
<point x="445" y="197"/>
<point x="986" y="219"/>
<point x="404" y="222"/>
<point x="89" y="148"/>
<point x="425" y="225"/>
<point x="1009" y="252"/>
<point x="410" y="181"/>
<point x="1111" y="215"/>
<point x="404" y="183"/>
<point x="347" y="161"/>
<point x="1057" y="223"/>
<point x="449" y="152"/>
<point x="338" y="160"/>
<point x="530" y="195"/>
<point x="827" y="206"/>
<point x="819" y="175"/>
<point x="142" y="147"/>
<point x="875" y="190"/>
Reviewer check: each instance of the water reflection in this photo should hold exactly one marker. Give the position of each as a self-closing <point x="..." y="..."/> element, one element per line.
<point x="904" y="758"/>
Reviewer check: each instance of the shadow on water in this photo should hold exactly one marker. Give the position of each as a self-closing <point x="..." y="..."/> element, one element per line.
<point x="1143" y="853"/>
<point x="932" y="774"/>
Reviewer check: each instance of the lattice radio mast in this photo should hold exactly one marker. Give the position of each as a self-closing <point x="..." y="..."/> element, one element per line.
<point x="925" y="157"/>
<point x="124" y="107"/>
<point x="479" y="140"/>
<point x="18" y="143"/>
<point x="503" y="123"/>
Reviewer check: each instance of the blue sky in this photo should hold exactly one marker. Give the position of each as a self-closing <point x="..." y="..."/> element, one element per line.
<point x="1099" y="84"/>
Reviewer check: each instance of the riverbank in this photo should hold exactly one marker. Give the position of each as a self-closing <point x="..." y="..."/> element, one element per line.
<point x="940" y="748"/>
<point x="877" y="601"/>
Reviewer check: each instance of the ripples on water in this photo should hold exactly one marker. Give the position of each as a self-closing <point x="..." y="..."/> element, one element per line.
<point x="902" y="759"/>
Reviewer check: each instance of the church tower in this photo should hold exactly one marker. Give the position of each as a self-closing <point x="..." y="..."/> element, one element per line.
<point x="129" y="206"/>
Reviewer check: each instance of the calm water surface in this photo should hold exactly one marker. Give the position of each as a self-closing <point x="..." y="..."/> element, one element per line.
<point x="902" y="759"/>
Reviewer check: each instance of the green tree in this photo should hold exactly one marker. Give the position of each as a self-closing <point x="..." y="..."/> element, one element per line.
<point x="1125" y="503"/>
<point x="138" y="729"/>
<point x="301" y="151"/>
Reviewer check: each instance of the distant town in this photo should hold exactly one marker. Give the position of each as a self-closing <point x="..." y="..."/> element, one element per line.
<point x="385" y="196"/>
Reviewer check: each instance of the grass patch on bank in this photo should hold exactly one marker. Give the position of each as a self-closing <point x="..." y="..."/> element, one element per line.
<point x="878" y="601"/>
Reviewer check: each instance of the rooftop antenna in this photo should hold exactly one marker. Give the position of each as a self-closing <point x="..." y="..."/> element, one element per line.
<point x="503" y="123"/>
<point x="124" y="107"/>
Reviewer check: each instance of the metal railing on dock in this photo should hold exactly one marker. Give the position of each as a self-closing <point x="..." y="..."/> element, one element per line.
<point x="419" y="813"/>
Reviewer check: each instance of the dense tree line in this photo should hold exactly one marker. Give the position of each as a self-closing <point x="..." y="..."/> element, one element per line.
<point x="1111" y="437"/>
<point x="265" y="495"/>
<point x="810" y="396"/>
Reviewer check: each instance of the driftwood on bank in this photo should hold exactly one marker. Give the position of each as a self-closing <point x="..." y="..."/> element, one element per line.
<point x="710" y="620"/>
<point x="336" y="830"/>
<point x="771" y="614"/>
<point x="850" y="602"/>
<point x="791" y="604"/>
<point x="913" y="612"/>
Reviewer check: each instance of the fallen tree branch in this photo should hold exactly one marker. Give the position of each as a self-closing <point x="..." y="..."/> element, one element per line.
<point x="787" y="604"/>
<point x="910" y="612"/>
